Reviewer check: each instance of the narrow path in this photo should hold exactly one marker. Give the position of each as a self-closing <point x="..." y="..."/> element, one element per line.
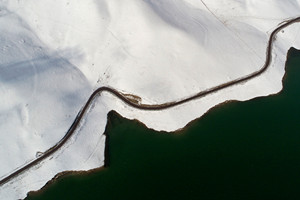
<point x="81" y="113"/>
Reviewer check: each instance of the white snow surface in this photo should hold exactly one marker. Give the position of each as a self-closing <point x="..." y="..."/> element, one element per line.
<point x="55" y="53"/>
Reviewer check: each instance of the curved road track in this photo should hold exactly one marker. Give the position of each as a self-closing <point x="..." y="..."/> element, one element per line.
<point x="81" y="113"/>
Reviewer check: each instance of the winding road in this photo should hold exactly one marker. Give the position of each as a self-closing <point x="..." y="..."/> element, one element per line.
<point x="126" y="100"/>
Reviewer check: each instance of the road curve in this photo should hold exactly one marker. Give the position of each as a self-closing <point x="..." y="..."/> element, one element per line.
<point x="126" y="100"/>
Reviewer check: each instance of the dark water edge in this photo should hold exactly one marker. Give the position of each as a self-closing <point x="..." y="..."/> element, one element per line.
<point x="239" y="150"/>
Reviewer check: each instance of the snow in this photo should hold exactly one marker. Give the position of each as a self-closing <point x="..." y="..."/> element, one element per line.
<point x="54" y="53"/>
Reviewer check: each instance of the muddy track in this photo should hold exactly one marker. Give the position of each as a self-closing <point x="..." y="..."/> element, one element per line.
<point x="126" y="100"/>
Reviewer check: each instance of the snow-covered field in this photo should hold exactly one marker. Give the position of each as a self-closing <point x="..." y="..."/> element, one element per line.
<point x="55" y="53"/>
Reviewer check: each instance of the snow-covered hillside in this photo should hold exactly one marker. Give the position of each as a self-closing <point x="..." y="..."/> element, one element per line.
<point x="55" y="53"/>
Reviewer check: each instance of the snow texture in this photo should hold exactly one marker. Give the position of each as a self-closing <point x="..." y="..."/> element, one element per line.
<point x="55" y="53"/>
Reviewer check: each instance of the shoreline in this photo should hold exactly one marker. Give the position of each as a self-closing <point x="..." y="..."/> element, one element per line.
<point x="180" y="131"/>
<point x="129" y="101"/>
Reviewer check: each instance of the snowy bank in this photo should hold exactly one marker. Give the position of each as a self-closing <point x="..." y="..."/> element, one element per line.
<point x="54" y="54"/>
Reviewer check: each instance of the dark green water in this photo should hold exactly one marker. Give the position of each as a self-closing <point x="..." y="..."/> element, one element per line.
<point x="240" y="150"/>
